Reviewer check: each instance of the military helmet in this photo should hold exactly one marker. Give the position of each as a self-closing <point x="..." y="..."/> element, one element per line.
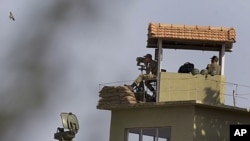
<point x="195" y="71"/>
<point x="204" y="72"/>
<point x="213" y="72"/>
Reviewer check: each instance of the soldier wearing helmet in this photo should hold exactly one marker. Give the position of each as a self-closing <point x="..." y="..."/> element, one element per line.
<point x="214" y="68"/>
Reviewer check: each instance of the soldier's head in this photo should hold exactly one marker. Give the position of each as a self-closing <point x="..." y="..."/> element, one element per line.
<point x="214" y="59"/>
<point x="148" y="57"/>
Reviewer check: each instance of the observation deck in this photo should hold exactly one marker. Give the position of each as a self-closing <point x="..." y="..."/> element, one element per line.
<point x="183" y="86"/>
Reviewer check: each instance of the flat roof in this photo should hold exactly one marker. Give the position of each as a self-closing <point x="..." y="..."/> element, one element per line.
<point x="190" y="37"/>
<point x="171" y="104"/>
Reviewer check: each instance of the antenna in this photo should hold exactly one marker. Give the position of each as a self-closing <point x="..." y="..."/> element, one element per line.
<point x="69" y="122"/>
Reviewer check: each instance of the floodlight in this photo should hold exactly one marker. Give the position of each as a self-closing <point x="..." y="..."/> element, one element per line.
<point x="69" y="122"/>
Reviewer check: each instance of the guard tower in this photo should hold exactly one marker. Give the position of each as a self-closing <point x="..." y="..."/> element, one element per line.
<point x="188" y="107"/>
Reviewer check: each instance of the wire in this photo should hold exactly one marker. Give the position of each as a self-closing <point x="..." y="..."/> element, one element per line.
<point x="103" y="84"/>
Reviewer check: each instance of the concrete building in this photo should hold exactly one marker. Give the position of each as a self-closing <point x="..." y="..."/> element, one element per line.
<point x="188" y="107"/>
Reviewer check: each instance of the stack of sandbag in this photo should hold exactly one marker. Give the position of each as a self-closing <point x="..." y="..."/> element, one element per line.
<point x="116" y="95"/>
<point x="109" y="95"/>
<point x="126" y="95"/>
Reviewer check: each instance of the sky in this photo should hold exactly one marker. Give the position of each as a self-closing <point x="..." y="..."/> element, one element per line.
<point x="55" y="55"/>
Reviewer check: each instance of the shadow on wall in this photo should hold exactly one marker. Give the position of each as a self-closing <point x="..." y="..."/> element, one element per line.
<point x="213" y="124"/>
<point x="212" y="96"/>
<point x="210" y="127"/>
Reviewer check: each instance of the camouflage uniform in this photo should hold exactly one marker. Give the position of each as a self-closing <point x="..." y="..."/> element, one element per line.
<point x="151" y="76"/>
<point x="214" y="67"/>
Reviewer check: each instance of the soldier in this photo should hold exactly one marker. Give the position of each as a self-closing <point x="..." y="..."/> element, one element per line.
<point x="214" y="68"/>
<point x="149" y="76"/>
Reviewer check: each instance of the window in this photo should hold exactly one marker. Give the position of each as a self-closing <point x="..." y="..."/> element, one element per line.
<point x="149" y="134"/>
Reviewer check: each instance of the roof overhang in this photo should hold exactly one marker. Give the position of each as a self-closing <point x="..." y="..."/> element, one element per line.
<point x="205" y="38"/>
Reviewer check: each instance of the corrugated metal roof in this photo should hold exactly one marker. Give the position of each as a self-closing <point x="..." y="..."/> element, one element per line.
<point x="191" y="37"/>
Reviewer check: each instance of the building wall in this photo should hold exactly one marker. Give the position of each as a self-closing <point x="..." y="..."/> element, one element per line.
<point x="188" y="122"/>
<point x="212" y="124"/>
<point x="183" y="86"/>
<point x="179" y="118"/>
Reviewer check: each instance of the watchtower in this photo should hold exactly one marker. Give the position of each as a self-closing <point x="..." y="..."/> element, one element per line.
<point x="188" y="107"/>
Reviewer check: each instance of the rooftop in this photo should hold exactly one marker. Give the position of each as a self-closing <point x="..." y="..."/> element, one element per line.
<point x="191" y="37"/>
<point x="171" y="104"/>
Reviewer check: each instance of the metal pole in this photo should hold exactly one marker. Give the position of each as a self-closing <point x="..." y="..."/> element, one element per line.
<point x="140" y="136"/>
<point x="222" y="58"/>
<point x="156" y="136"/>
<point x="234" y="98"/>
<point x="159" y="68"/>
